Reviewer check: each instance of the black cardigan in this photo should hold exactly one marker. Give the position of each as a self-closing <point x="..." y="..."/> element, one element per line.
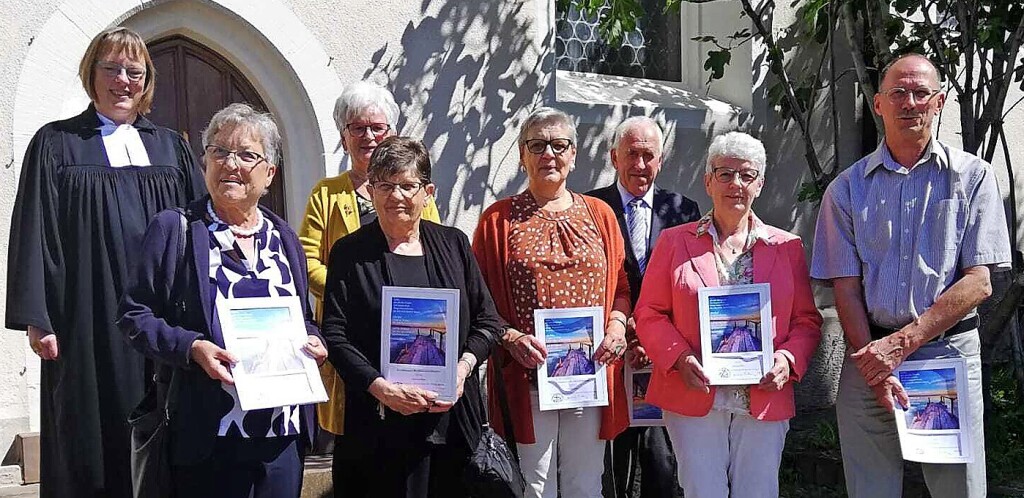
<point x="356" y="274"/>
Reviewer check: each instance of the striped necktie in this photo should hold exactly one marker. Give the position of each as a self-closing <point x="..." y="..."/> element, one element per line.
<point x="637" y="224"/>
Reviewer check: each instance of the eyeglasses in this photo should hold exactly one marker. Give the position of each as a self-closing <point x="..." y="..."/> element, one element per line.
<point x="726" y="175"/>
<point x="245" y="158"/>
<point x="900" y="95"/>
<point x="358" y="130"/>
<point x="113" y="70"/>
<point x="538" y="146"/>
<point x="408" y="190"/>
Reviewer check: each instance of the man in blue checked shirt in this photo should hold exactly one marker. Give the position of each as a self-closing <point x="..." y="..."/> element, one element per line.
<point x="908" y="236"/>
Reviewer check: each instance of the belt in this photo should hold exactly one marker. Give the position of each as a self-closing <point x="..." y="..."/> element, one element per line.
<point x="965" y="325"/>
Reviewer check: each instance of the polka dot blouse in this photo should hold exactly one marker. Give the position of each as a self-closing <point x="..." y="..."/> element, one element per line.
<point x="556" y="259"/>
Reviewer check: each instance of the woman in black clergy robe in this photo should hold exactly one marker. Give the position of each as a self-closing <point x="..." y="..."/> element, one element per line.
<point x="89" y="186"/>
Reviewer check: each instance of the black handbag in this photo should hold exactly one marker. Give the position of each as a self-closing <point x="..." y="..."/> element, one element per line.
<point x="151" y="456"/>
<point x="149" y="422"/>
<point x="493" y="470"/>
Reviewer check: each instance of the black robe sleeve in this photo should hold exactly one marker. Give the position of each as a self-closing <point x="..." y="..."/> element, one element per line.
<point x="36" y="260"/>
<point x="195" y="183"/>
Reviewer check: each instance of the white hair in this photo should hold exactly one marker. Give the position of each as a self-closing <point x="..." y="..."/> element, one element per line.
<point x="547" y="115"/>
<point x="363" y="96"/>
<point x="636" y="122"/>
<point x="737" y="145"/>
<point x="262" y="123"/>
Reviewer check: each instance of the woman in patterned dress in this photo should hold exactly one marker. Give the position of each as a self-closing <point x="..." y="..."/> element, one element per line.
<point x="233" y="249"/>
<point x="549" y="247"/>
<point x="728" y="439"/>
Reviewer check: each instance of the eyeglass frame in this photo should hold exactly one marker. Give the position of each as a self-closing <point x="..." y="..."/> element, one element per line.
<point x="367" y="127"/>
<point x="389" y="190"/>
<point x="910" y="94"/>
<point x="108" y="68"/>
<point x="229" y="153"/>
<point x="548" y="143"/>
<point x="734" y="174"/>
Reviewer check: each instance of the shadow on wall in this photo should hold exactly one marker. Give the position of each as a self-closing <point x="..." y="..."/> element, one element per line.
<point x="470" y="94"/>
<point x="467" y="73"/>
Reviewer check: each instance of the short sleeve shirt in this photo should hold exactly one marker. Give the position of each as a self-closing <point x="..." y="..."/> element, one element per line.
<point x="909" y="233"/>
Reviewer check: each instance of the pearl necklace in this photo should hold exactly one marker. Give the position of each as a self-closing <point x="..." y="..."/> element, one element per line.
<point x="235" y="229"/>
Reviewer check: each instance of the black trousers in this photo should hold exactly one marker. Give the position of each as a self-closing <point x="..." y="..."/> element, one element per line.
<point x="414" y="469"/>
<point x="646" y="450"/>
<point x="244" y="468"/>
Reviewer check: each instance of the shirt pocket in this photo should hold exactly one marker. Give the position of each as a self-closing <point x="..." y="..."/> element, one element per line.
<point x="943" y="228"/>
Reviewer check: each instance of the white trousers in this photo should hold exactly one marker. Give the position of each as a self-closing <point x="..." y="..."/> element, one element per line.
<point x="726" y="454"/>
<point x="568" y="458"/>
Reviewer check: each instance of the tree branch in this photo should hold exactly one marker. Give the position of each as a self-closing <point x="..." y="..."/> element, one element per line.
<point x="867" y="85"/>
<point x="777" y="64"/>
<point x="937" y="46"/>
<point x="997" y="95"/>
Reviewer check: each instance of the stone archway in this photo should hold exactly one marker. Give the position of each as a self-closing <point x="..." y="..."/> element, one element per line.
<point x="273" y="49"/>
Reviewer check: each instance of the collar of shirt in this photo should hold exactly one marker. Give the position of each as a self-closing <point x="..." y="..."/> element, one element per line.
<point x="757" y="228"/>
<point x="141" y="123"/>
<point x="883" y="157"/>
<point x="624" y="194"/>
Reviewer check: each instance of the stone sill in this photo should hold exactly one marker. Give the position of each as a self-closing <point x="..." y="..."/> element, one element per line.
<point x="590" y="88"/>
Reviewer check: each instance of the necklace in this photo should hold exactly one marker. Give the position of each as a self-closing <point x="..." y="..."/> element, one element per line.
<point x="235" y="229"/>
<point x="732" y="249"/>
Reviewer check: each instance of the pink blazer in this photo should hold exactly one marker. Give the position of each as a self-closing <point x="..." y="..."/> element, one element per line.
<point x="667" y="316"/>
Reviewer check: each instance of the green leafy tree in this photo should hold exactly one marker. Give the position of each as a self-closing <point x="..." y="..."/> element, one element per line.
<point x="976" y="44"/>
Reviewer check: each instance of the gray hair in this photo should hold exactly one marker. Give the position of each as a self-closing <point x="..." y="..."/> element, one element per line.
<point x="636" y="122"/>
<point x="547" y="115"/>
<point x="364" y="96"/>
<point x="737" y="145"/>
<point x="262" y="123"/>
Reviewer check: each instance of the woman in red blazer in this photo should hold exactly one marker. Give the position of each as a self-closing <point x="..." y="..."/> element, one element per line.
<point x="728" y="439"/>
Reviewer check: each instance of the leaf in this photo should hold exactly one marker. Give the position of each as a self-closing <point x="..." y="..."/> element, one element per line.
<point x="707" y="38"/>
<point x="810" y="192"/>
<point x="716" y="62"/>
<point x="744" y="33"/>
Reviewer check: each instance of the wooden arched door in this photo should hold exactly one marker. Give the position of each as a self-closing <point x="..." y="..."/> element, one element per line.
<point x="193" y="83"/>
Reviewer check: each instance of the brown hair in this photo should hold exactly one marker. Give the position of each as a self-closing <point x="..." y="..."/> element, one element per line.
<point x="117" y="40"/>
<point x="399" y="154"/>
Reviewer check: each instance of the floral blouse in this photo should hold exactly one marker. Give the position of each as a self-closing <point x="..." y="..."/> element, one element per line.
<point x="733" y="399"/>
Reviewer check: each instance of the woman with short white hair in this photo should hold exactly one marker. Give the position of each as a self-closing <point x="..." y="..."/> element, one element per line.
<point x="365" y="114"/>
<point x="728" y="440"/>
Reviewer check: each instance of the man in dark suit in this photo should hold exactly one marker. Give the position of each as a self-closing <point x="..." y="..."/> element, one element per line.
<point x="643" y="211"/>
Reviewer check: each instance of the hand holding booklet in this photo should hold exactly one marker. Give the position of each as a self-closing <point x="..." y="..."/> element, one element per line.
<point x="419" y="338"/>
<point x="570" y="378"/>
<point x="267" y="335"/>
<point x="935" y="426"/>
<point x="736" y="333"/>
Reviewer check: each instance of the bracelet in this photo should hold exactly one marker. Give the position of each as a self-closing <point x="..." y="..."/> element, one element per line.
<point x="468" y="364"/>
<point x="617" y="319"/>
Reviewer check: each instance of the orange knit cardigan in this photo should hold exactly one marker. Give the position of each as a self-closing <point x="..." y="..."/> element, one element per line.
<point x="490" y="245"/>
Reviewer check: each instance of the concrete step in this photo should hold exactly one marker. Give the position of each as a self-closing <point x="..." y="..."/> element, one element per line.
<point x="26" y="491"/>
<point x="316" y="481"/>
<point x="10" y="475"/>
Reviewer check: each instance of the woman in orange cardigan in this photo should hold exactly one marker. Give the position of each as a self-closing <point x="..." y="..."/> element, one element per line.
<point x="728" y="440"/>
<point x="546" y="248"/>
